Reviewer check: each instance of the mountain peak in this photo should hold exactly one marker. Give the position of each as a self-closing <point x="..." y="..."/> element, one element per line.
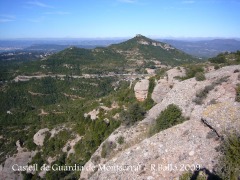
<point x="143" y="48"/>
<point x="139" y="35"/>
<point x="143" y="40"/>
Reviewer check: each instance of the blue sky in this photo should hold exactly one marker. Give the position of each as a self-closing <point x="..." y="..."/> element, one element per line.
<point x="119" y="18"/>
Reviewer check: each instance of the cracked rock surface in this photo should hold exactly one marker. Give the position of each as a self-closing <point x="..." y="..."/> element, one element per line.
<point x="183" y="146"/>
<point x="191" y="143"/>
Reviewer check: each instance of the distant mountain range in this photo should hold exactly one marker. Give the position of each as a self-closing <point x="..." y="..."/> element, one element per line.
<point x="55" y="47"/>
<point x="131" y="56"/>
<point x="206" y="48"/>
<point x="133" y="53"/>
<point x="198" y="48"/>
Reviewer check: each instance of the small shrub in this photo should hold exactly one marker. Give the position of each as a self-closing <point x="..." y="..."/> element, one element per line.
<point x="189" y="175"/>
<point x="191" y="71"/>
<point x="68" y="148"/>
<point x="107" y="148"/>
<point x="238" y="93"/>
<point x="229" y="163"/>
<point x="221" y="80"/>
<point x="218" y="59"/>
<point x="216" y="67"/>
<point x="213" y="101"/>
<point x="149" y="103"/>
<point x="186" y="176"/>
<point x="120" y="140"/>
<point x="202" y="94"/>
<point x="160" y="73"/>
<point x="95" y="160"/>
<point x="47" y="137"/>
<point x="199" y="76"/>
<point x="30" y="145"/>
<point x="171" y="116"/>
<point x="134" y="113"/>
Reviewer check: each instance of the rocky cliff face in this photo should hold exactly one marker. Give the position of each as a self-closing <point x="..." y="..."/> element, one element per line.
<point x="184" y="147"/>
<point x="22" y="157"/>
<point x="141" y="89"/>
<point x="164" y="85"/>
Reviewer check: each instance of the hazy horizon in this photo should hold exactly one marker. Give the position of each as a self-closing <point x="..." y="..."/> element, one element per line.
<point x="120" y="38"/>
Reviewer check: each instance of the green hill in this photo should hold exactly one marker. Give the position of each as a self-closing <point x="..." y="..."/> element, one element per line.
<point x="143" y="48"/>
<point x="76" y="61"/>
<point x="227" y="58"/>
<point x="133" y="55"/>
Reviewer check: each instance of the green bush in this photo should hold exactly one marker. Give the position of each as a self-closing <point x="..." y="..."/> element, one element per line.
<point x="30" y="145"/>
<point x="200" y="76"/>
<point x="229" y="163"/>
<point x="171" y="116"/>
<point x="216" y="67"/>
<point x="186" y="176"/>
<point x="134" y="113"/>
<point x="149" y="103"/>
<point x="120" y="140"/>
<point x="107" y="148"/>
<point x="238" y="93"/>
<point x="192" y="70"/>
<point x="202" y="94"/>
<point x="218" y="59"/>
<point x="160" y="73"/>
<point x="189" y="175"/>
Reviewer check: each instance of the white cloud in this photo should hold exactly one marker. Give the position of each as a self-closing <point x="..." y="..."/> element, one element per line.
<point x="188" y="2"/>
<point x="128" y="1"/>
<point x="3" y="20"/>
<point x="37" y="20"/>
<point x="58" y="13"/>
<point x="39" y="4"/>
<point x="6" y="18"/>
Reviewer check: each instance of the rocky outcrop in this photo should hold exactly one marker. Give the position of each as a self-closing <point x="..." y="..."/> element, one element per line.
<point x="39" y="137"/>
<point x="131" y="135"/>
<point x="223" y="117"/>
<point x="93" y="114"/>
<point x="164" y="156"/>
<point x="21" y="158"/>
<point x="191" y="143"/>
<point x="150" y="71"/>
<point x="164" y="85"/>
<point x="69" y="146"/>
<point x="160" y="90"/>
<point x="183" y="93"/>
<point x="141" y="89"/>
<point x="173" y="73"/>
